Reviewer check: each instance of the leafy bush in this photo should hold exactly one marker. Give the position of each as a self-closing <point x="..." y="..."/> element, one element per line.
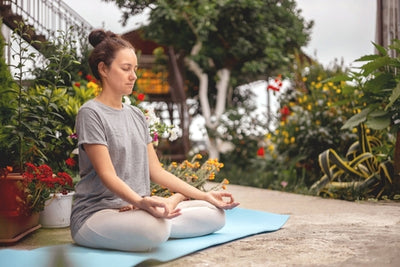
<point x="311" y="115"/>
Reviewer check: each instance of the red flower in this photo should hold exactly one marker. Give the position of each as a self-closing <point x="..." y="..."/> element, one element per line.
<point x="276" y="84"/>
<point x="141" y="97"/>
<point x="90" y="78"/>
<point x="285" y="111"/>
<point x="77" y="84"/>
<point x="261" y="152"/>
<point x="43" y="174"/>
<point x="65" y="179"/>
<point x="70" y="162"/>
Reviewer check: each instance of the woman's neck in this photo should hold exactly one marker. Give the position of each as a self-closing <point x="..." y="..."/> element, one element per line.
<point x="110" y="100"/>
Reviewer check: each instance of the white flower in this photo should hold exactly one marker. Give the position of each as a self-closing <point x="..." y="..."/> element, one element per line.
<point x="127" y="100"/>
<point x="173" y="133"/>
<point x="58" y="134"/>
<point x="151" y="117"/>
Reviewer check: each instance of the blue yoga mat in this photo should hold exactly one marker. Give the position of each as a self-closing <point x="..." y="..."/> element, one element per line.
<point x="239" y="223"/>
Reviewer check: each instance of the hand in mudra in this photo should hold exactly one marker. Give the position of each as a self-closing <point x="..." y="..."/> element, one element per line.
<point x="222" y="200"/>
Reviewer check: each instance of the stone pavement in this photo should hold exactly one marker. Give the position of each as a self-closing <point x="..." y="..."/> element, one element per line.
<point x="319" y="232"/>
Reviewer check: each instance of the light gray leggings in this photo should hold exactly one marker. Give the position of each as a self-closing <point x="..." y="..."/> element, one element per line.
<point x="137" y="230"/>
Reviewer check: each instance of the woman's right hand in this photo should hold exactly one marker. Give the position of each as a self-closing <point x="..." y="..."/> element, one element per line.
<point x="158" y="207"/>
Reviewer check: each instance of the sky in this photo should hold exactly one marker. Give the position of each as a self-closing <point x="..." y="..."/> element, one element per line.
<point x="343" y="29"/>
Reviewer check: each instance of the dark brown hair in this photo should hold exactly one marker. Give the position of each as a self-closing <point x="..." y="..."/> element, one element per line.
<point x="106" y="45"/>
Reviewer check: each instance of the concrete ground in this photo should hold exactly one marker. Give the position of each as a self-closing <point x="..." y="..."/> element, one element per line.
<point x="319" y="232"/>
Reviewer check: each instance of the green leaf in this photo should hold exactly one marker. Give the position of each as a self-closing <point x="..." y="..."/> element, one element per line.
<point x="378" y="123"/>
<point x="375" y="65"/>
<point x="380" y="49"/>
<point x="394" y="96"/>
<point x="337" y="78"/>
<point x="380" y="81"/>
<point x="356" y="119"/>
<point x="367" y="58"/>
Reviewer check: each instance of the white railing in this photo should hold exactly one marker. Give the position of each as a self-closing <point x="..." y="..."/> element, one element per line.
<point x="48" y="16"/>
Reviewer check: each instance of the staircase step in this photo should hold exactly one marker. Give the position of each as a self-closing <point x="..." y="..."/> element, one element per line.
<point x="5" y="9"/>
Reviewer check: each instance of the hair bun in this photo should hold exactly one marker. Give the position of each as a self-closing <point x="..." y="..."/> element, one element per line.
<point x="97" y="36"/>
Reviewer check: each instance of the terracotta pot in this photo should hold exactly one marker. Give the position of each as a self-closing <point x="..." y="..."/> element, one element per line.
<point x="8" y="194"/>
<point x="13" y="225"/>
<point x="13" y="228"/>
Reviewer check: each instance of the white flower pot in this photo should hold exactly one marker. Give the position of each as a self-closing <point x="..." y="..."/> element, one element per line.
<point x="57" y="211"/>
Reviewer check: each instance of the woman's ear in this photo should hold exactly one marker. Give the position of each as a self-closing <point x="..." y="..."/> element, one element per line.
<point x="102" y="69"/>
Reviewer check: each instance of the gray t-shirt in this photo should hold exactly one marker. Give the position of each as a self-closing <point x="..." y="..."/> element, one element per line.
<point x="125" y="133"/>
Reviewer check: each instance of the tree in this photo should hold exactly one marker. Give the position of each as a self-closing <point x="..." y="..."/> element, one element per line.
<point x="225" y="43"/>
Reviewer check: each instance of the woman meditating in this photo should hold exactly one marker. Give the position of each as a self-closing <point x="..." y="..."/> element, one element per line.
<point x="113" y="207"/>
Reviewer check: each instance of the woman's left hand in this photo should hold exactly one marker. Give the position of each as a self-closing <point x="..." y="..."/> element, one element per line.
<point x="221" y="199"/>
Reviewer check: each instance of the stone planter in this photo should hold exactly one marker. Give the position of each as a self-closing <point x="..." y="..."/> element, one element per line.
<point x="13" y="225"/>
<point x="57" y="211"/>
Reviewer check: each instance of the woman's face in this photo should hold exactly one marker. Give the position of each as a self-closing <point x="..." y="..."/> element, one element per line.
<point x="121" y="75"/>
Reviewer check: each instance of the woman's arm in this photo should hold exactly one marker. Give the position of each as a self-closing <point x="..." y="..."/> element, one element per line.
<point x="101" y="161"/>
<point x="162" y="177"/>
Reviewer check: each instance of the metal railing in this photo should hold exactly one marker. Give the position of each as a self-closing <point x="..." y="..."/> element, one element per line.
<point x="48" y="17"/>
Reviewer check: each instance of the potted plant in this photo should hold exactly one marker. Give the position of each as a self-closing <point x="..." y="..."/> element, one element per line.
<point x="21" y="200"/>
<point x="31" y="114"/>
<point x="59" y="189"/>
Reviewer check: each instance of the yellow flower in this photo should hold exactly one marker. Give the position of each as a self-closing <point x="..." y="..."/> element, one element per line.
<point x="318" y="122"/>
<point x="304" y="79"/>
<point x="285" y="133"/>
<point x="292" y="139"/>
<point x="338" y="91"/>
<point x="286" y="141"/>
<point x="96" y="88"/>
<point x="211" y="176"/>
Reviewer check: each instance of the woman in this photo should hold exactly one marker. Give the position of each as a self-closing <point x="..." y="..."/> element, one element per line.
<point x="113" y="208"/>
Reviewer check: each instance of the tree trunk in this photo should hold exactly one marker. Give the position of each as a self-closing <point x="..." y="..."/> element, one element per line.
<point x="396" y="163"/>
<point x="211" y="119"/>
<point x="179" y="96"/>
